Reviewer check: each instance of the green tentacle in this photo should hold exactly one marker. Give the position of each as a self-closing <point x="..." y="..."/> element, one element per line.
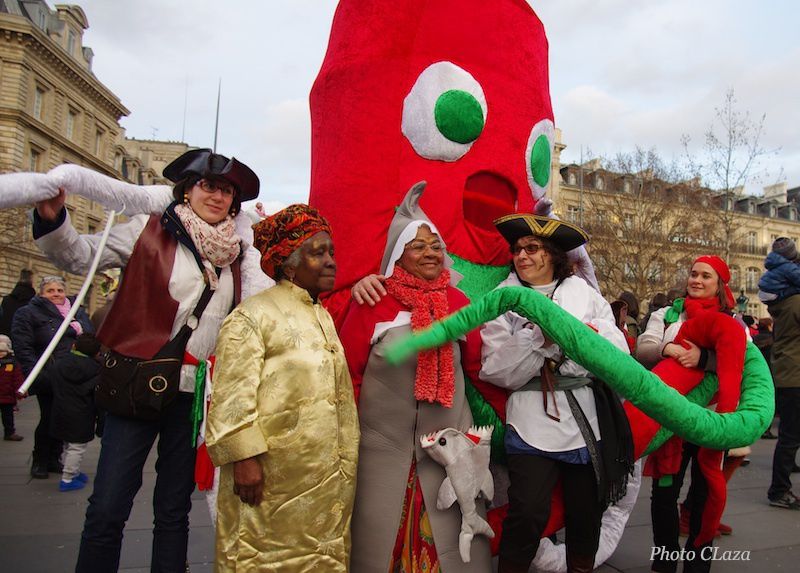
<point x="619" y="370"/>
<point x="483" y="414"/>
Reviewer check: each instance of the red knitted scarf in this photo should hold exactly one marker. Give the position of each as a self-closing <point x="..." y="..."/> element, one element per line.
<point x="694" y="306"/>
<point x="427" y="301"/>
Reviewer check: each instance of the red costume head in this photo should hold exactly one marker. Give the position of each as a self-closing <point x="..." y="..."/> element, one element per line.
<point x="453" y="92"/>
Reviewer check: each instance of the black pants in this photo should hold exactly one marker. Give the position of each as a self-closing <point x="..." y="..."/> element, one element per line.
<point x="46" y="450"/>
<point x="125" y="447"/>
<point x="7" y="412"/>
<point x="529" y="495"/>
<point x="666" y="522"/>
<point x="783" y="459"/>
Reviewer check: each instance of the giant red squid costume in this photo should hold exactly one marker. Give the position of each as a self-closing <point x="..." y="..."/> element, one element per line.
<point x="455" y="93"/>
<point x="451" y="92"/>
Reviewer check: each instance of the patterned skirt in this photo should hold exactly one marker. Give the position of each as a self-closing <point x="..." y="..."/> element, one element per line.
<point x="414" y="550"/>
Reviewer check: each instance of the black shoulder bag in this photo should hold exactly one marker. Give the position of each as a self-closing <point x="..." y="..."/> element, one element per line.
<point x="142" y="389"/>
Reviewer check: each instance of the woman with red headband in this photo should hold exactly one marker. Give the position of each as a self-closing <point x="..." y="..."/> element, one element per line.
<point x="697" y="333"/>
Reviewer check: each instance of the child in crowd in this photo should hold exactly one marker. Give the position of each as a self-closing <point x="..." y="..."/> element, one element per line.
<point x="74" y="377"/>
<point x="782" y="278"/>
<point x="10" y="380"/>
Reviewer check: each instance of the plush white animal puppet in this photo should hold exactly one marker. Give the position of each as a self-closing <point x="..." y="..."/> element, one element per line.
<point x="465" y="458"/>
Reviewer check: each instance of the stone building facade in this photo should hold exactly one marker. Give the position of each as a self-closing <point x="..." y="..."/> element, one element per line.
<point x="54" y="110"/>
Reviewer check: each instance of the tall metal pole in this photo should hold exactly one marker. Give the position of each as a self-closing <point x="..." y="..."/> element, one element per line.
<point x="185" y="101"/>
<point x="580" y="194"/>
<point x="216" y="123"/>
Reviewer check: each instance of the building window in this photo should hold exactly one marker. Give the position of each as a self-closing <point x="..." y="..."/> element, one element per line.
<point x="628" y="221"/>
<point x="599" y="184"/>
<point x="626" y="186"/>
<point x="72" y="118"/>
<point x="752" y="242"/>
<point x="752" y="278"/>
<point x="71" y="42"/>
<point x="629" y="271"/>
<point x="98" y="141"/>
<point x="654" y="275"/>
<point x="571" y="179"/>
<point x="35" y="160"/>
<point x="42" y="19"/>
<point x="38" y="103"/>
<point x="735" y="277"/>
<point x="573" y="213"/>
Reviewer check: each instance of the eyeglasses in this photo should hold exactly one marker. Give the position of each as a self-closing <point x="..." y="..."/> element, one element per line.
<point x="211" y="187"/>
<point x="530" y="248"/>
<point x="419" y="247"/>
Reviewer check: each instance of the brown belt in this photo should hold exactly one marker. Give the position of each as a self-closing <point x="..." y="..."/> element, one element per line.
<point x="549" y="387"/>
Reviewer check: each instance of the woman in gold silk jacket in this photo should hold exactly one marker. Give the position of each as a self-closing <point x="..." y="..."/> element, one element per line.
<point x="282" y="422"/>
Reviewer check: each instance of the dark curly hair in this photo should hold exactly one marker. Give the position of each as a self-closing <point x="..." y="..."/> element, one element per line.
<point x="562" y="267"/>
<point x="184" y="185"/>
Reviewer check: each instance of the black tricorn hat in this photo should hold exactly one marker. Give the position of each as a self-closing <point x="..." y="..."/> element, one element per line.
<point x="563" y="234"/>
<point x="205" y="163"/>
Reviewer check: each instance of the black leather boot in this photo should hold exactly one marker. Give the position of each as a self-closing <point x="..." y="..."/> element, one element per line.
<point x="506" y="566"/>
<point x="579" y="563"/>
<point x="38" y="470"/>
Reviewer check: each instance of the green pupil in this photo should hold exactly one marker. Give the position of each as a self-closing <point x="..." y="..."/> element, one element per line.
<point x="540" y="161"/>
<point x="459" y="116"/>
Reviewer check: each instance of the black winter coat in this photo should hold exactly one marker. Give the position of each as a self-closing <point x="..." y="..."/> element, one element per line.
<point x="32" y="330"/>
<point x="74" y="378"/>
<point x="21" y="295"/>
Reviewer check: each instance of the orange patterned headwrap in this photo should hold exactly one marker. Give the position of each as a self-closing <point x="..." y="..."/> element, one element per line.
<point x="279" y="235"/>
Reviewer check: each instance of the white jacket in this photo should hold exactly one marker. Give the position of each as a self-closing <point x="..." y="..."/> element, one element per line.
<point x="513" y="354"/>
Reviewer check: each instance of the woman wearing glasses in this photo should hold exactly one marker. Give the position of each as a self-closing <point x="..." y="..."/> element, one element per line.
<point x="397" y="526"/>
<point x="31" y="331"/>
<point x="168" y="260"/>
<point x="561" y="423"/>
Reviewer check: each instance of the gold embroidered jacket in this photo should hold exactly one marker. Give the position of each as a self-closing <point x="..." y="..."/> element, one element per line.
<point x="282" y="392"/>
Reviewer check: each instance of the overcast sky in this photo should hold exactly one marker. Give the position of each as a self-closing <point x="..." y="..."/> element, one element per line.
<point x="622" y="74"/>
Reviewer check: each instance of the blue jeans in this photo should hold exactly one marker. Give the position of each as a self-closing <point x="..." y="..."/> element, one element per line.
<point x="125" y="446"/>
<point x="783" y="460"/>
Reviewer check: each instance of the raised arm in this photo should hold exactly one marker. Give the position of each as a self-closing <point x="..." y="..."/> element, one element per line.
<point x="72" y="252"/>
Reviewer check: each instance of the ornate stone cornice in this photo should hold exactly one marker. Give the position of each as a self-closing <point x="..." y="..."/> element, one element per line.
<point x="20" y="30"/>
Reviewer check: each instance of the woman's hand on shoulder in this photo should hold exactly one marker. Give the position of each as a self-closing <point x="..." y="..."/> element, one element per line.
<point x="369" y="290"/>
<point x="49" y="209"/>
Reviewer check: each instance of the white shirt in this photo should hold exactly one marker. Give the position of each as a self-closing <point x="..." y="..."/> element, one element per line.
<point x="513" y="354"/>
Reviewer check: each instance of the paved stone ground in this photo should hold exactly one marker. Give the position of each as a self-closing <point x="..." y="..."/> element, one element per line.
<point x="40" y="527"/>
